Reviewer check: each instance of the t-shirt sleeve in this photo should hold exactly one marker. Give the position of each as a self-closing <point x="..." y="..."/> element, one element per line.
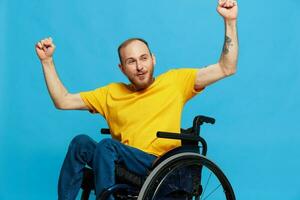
<point x="96" y="100"/>
<point x="184" y="79"/>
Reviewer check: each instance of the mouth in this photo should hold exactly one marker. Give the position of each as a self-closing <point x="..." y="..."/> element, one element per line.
<point x="141" y="76"/>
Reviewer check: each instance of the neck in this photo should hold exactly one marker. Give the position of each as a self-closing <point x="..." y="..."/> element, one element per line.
<point x="135" y="88"/>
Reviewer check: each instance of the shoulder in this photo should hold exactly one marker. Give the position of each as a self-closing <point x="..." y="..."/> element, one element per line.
<point x="179" y="72"/>
<point x="168" y="73"/>
<point x="117" y="87"/>
<point x="114" y="85"/>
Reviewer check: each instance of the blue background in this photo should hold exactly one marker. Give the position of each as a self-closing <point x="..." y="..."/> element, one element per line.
<point x="256" y="137"/>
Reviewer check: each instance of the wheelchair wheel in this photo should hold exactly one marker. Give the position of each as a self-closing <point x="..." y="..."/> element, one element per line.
<point x="186" y="176"/>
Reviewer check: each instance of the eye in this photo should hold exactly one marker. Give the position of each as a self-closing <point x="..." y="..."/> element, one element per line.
<point x="144" y="58"/>
<point x="131" y="61"/>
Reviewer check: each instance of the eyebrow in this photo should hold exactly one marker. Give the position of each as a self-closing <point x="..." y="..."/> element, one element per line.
<point x="144" y="55"/>
<point x="131" y="58"/>
<point x="134" y="58"/>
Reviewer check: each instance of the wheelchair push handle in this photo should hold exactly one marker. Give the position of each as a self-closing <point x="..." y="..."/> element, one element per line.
<point x="200" y="119"/>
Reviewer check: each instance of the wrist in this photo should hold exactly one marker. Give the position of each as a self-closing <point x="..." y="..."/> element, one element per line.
<point x="47" y="61"/>
<point x="230" y="22"/>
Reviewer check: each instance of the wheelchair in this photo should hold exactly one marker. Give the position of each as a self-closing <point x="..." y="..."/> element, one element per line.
<point x="184" y="173"/>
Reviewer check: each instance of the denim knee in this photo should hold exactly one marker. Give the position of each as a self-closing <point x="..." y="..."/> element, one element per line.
<point x="82" y="148"/>
<point x="80" y="139"/>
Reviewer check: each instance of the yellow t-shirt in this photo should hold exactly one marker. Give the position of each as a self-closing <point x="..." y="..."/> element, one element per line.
<point x="135" y="117"/>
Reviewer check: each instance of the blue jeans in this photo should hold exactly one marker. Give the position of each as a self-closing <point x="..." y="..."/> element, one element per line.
<point x="101" y="157"/>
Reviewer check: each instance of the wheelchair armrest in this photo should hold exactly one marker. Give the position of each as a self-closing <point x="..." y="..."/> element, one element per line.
<point x="178" y="136"/>
<point x="105" y="131"/>
<point x="186" y="139"/>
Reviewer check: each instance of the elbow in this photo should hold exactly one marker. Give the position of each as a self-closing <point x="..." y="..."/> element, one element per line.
<point x="60" y="105"/>
<point x="228" y="70"/>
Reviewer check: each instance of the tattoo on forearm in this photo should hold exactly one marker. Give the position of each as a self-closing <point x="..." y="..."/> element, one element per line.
<point x="227" y="44"/>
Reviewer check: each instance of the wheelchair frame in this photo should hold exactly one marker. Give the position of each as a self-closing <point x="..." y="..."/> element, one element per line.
<point x="141" y="188"/>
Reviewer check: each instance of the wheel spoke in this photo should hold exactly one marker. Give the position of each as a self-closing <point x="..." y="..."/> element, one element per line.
<point x="212" y="192"/>
<point x="206" y="183"/>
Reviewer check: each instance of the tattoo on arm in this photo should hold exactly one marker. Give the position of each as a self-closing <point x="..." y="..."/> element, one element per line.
<point x="227" y="44"/>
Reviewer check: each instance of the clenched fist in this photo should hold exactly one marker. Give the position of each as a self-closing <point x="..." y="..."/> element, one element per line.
<point x="45" y="49"/>
<point x="228" y="9"/>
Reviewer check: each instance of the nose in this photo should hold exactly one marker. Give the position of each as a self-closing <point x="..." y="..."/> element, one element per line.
<point x="139" y="67"/>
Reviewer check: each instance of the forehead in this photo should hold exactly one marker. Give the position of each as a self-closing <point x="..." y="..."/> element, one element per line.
<point x="134" y="49"/>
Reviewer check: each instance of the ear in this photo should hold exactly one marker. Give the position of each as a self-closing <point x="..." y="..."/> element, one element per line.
<point x="153" y="58"/>
<point x="121" y="67"/>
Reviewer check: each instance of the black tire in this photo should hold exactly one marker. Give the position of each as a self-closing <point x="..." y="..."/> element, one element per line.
<point x="152" y="186"/>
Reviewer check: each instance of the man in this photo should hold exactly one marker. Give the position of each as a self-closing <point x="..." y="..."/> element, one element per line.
<point x="136" y="111"/>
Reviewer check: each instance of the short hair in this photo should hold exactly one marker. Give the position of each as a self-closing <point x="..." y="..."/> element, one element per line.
<point x="126" y="42"/>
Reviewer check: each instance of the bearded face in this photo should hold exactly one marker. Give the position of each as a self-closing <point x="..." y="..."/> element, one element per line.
<point x="138" y="64"/>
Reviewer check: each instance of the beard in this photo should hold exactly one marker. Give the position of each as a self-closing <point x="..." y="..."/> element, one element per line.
<point x="141" y="82"/>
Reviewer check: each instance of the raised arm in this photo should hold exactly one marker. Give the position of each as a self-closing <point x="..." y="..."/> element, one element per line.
<point x="61" y="98"/>
<point x="227" y="63"/>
